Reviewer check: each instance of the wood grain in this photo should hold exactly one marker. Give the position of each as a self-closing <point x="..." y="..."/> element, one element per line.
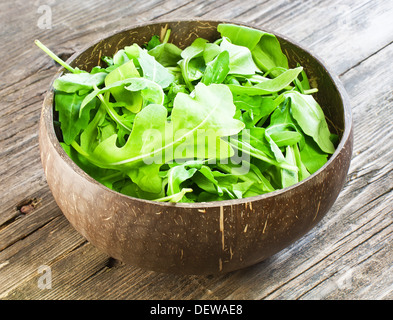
<point x="349" y="255"/>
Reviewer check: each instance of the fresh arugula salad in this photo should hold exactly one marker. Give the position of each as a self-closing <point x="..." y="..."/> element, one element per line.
<point x="214" y="121"/>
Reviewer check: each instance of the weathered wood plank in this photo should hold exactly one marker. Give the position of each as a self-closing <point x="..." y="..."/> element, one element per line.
<point x="21" y="260"/>
<point x="348" y="255"/>
<point x="43" y="209"/>
<point x="68" y="275"/>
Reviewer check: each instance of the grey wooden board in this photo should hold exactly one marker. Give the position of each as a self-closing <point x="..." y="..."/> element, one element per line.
<point x="348" y="255"/>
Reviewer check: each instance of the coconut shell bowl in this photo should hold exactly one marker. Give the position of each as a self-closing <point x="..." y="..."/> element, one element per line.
<point x="196" y="238"/>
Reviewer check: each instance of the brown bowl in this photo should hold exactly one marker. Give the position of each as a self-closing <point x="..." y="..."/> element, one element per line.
<point x="197" y="238"/>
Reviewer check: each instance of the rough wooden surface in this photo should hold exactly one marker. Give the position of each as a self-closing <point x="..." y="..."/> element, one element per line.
<point x="349" y="255"/>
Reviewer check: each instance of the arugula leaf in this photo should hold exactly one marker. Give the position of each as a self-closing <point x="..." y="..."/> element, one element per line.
<point x="255" y="109"/>
<point x="79" y="82"/>
<point x="283" y="128"/>
<point x="178" y="175"/>
<point x="268" y="86"/>
<point x="303" y="172"/>
<point x="133" y="102"/>
<point x="153" y="70"/>
<point x="210" y="51"/>
<point x="259" y="184"/>
<point x="247" y="148"/>
<point x="240" y="58"/>
<point x="191" y="52"/>
<point x="264" y="46"/>
<point x="89" y="136"/>
<point x="167" y="54"/>
<point x="310" y="117"/>
<point x="68" y="106"/>
<point x="289" y="177"/>
<point x="177" y="197"/>
<point x="150" y="90"/>
<point x="120" y="57"/>
<point x="211" y="107"/>
<point x="153" y="42"/>
<point x="112" y="113"/>
<point x="217" y="69"/>
<point x="147" y="178"/>
<point x="312" y="156"/>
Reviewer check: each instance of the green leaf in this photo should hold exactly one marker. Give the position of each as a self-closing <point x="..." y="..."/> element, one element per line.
<point x="240" y="35"/>
<point x="289" y="177"/>
<point x="68" y="105"/>
<point x="167" y="54"/>
<point x="147" y="133"/>
<point x="153" y="42"/>
<point x="268" y="86"/>
<point x="147" y="178"/>
<point x="283" y="128"/>
<point x="240" y="58"/>
<point x="286" y="138"/>
<point x="303" y="173"/>
<point x="250" y="173"/>
<point x="247" y="148"/>
<point x="154" y="71"/>
<point x="210" y="51"/>
<point x="89" y="136"/>
<point x="211" y="107"/>
<point x="205" y="180"/>
<point x="217" y="70"/>
<point x="191" y="52"/>
<point x="312" y="156"/>
<point x="112" y="113"/>
<point x="215" y="121"/>
<point x="264" y="46"/>
<point x="196" y="69"/>
<point x="151" y="92"/>
<point x="131" y="189"/>
<point x="79" y="82"/>
<point x="132" y="101"/>
<point x="302" y="82"/>
<point x="268" y="55"/>
<point x="120" y="57"/>
<point x="177" y="197"/>
<point x="256" y="108"/>
<point x="172" y="92"/>
<point x="178" y="175"/>
<point x="108" y="60"/>
<point x="311" y="119"/>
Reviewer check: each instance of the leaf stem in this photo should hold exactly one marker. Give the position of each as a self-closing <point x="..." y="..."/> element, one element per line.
<point x="87" y="155"/>
<point x="310" y="91"/>
<point x="174" y="197"/>
<point x="78" y="148"/>
<point x="167" y="35"/>
<point x="112" y="113"/>
<point x="54" y="56"/>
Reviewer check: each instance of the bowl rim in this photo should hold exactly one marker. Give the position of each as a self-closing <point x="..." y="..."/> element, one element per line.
<point x="348" y="121"/>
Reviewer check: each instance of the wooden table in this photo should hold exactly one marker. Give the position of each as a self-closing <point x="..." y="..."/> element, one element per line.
<point x="348" y="255"/>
